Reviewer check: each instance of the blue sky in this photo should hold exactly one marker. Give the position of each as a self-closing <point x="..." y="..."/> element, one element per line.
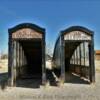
<point x="54" y="15"/>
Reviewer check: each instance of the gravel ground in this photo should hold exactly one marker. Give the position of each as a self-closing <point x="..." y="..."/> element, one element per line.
<point x="67" y="92"/>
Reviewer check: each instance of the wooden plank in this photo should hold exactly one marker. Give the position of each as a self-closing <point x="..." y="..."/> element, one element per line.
<point x="84" y="51"/>
<point x="91" y="62"/>
<point x="77" y="35"/>
<point x="77" y="55"/>
<point x="15" y="61"/>
<point x="74" y="60"/>
<point x="93" y="59"/>
<point x="26" y="33"/>
<point x="19" y="58"/>
<point x="43" y="61"/>
<point x="12" y="57"/>
<point x="80" y="60"/>
<point x="62" y="59"/>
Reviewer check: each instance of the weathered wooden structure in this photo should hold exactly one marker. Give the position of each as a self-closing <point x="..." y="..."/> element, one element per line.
<point x="26" y="52"/>
<point x="74" y="52"/>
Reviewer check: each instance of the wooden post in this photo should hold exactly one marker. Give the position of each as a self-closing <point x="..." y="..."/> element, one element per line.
<point x="80" y="59"/>
<point x="14" y="61"/>
<point x="22" y="57"/>
<point x="84" y="51"/>
<point x="18" y="56"/>
<point x="84" y="73"/>
<point x="77" y="55"/>
<point x="43" y="61"/>
<point x="74" y="61"/>
<point x="11" y="60"/>
<point x="91" y="61"/>
<point x="62" y="52"/>
<point x="19" y="59"/>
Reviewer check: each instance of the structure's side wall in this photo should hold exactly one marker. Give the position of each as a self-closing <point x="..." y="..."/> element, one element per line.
<point x="57" y="55"/>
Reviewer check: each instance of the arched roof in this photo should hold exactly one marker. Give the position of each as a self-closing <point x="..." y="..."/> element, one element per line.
<point x="77" y="28"/>
<point x="26" y="25"/>
<point x="70" y="29"/>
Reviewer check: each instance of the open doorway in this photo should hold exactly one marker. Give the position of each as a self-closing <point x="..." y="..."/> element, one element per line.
<point x="27" y="56"/>
<point x="76" y="61"/>
<point x="32" y="68"/>
<point x="74" y="54"/>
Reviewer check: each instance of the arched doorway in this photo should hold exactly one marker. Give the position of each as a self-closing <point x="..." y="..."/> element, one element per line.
<point x="26" y="54"/>
<point x="74" y="54"/>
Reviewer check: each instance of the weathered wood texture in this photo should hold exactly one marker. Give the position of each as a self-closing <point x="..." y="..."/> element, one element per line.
<point x="17" y="59"/>
<point x="73" y="49"/>
<point x="26" y="33"/>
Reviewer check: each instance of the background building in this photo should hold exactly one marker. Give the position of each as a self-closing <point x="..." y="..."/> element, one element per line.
<point x="97" y="54"/>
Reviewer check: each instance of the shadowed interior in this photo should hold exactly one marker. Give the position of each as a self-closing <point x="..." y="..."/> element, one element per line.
<point x="29" y="74"/>
<point x="33" y="53"/>
<point x="70" y="47"/>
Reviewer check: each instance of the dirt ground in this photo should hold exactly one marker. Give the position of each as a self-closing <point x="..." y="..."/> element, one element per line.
<point x="69" y="91"/>
<point x="3" y="66"/>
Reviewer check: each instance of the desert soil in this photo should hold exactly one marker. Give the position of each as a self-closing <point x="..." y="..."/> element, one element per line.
<point x="68" y="91"/>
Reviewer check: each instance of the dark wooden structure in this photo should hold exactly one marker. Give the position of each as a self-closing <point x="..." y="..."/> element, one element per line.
<point x="74" y="52"/>
<point x="26" y="52"/>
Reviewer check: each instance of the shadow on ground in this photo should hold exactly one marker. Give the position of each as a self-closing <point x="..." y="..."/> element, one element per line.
<point x="29" y="82"/>
<point x="50" y="77"/>
<point x="75" y="79"/>
<point x="3" y="80"/>
<point x="69" y="78"/>
<point x="36" y="82"/>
